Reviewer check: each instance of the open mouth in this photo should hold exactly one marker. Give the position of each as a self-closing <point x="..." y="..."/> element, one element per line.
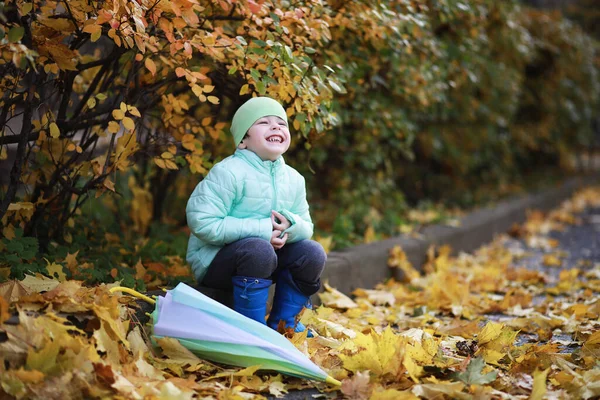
<point x="275" y="139"/>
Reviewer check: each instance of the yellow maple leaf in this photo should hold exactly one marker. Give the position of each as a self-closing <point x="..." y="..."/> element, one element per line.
<point x="592" y="345"/>
<point x="503" y="342"/>
<point x="177" y="353"/>
<point x="414" y="370"/>
<point x="379" y="353"/>
<point x="491" y="356"/>
<point x="115" y="327"/>
<point x="490" y="331"/>
<point x="107" y="344"/>
<point x="539" y="385"/>
<point x="332" y="297"/>
<point x="398" y="259"/>
<point x="45" y="359"/>
<point x="495" y="340"/>
<point x="56" y="270"/>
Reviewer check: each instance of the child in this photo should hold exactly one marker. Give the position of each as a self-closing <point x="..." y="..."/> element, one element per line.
<point x="250" y="222"/>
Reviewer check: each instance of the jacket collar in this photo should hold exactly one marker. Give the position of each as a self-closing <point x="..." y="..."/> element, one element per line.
<point x="253" y="159"/>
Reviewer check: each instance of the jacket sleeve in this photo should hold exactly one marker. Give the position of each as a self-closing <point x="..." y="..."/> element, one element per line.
<point x="208" y="209"/>
<point x="299" y="216"/>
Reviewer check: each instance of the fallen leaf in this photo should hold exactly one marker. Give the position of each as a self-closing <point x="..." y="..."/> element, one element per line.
<point x="332" y="297"/>
<point x="379" y="353"/>
<point x="436" y="390"/>
<point x="473" y="374"/>
<point x="357" y="387"/>
<point x="12" y="290"/>
<point x="177" y="353"/>
<point x="539" y="385"/>
<point x="39" y="283"/>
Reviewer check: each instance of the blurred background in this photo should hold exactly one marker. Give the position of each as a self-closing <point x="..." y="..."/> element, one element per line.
<point x="404" y="114"/>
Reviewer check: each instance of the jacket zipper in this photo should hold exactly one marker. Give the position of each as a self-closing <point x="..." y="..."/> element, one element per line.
<point x="274" y="187"/>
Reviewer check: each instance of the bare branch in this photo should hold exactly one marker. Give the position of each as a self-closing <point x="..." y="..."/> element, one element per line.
<point x="12" y="139"/>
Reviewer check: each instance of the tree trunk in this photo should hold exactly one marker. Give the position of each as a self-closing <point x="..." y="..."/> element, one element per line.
<point x="20" y="156"/>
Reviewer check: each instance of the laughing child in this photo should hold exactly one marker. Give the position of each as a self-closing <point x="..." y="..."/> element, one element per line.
<point x="250" y="222"/>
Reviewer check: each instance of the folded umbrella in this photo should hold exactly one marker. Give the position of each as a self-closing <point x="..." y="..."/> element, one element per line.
<point x="218" y="333"/>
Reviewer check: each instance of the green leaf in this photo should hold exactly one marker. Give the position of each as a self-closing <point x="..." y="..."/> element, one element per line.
<point x="260" y="87"/>
<point x="257" y="50"/>
<point x="309" y="50"/>
<point x="275" y="17"/>
<point x="288" y="54"/>
<point x="335" y="86"/>
<point x="473" y="376"/>
<point x="255" y="74"/>
<point x="15" y="34"/>
<point x="15" y="247"/>
<point x="242" y="40"/>
<point x="26" y="8"/>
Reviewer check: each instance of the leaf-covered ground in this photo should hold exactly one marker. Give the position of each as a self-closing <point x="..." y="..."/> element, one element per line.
<point x="492" y="324"/>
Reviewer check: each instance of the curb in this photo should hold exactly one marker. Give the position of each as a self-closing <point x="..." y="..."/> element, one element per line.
<point x="365" y="265"/>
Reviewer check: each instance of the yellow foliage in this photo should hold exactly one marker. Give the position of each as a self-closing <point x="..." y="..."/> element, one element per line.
<point x="379" y="353"/>
<point x="490" y="331"/>
<point x="539" y="385"/>
<point x="398" y="259"/>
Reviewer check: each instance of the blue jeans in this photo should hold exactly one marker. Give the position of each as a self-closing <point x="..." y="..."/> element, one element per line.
<point x="257" y="258"/>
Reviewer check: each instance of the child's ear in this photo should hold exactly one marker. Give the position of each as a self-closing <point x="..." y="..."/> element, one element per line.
<point x="243" y="144"/>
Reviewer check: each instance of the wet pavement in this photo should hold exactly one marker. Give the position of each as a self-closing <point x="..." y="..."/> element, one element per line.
<point x="578" y="246"/>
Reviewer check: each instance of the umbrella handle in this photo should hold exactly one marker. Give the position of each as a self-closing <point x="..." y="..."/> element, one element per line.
<point x="133" y="293"/>
<point x="332" y="381"/>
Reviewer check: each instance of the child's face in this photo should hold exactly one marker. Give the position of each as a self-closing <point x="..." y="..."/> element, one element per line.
<point x="269" y="138"/>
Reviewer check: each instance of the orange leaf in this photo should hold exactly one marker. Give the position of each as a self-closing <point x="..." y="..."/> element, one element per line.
<point x="150" y="65"/>
<point x="4" y="314"/>
<point x="253" y="6"/>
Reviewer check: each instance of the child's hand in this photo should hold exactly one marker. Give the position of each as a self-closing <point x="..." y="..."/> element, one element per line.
<point x="279" y="221"/>
<point x="276" y="241"/>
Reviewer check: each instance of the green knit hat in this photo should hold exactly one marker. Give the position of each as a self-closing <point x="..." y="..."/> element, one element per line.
<point x="250" y="112"/>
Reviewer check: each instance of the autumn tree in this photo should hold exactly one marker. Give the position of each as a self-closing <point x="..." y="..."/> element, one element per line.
<point x="92" y="89"/>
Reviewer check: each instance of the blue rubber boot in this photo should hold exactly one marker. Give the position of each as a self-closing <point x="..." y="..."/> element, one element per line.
<point x="250" y="297"/>
<point x="287" y="303"/>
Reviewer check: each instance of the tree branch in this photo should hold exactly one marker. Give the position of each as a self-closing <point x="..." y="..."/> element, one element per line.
<point x="66" y="96"/>
<point x="17" y="168"/>
<point x="91" y="89"/>
<point x="12" y="139"/>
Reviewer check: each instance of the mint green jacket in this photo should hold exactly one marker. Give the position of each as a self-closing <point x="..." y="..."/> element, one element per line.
<point x="234" y="201"/>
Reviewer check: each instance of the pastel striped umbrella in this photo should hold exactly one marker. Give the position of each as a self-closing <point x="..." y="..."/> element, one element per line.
<point x="217" y="333"/>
